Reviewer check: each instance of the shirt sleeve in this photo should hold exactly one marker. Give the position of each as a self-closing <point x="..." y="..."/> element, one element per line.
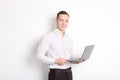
<point x="42" y="49"/>
<point x="71" y="52"/>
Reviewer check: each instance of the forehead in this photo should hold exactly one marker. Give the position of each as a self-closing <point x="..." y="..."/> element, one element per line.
<point x="63" y="16"/>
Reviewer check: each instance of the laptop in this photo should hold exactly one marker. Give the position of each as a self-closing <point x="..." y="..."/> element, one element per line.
<point x="86" y="54"/>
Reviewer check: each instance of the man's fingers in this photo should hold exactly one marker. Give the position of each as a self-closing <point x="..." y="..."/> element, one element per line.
<point x="61" y="61"/>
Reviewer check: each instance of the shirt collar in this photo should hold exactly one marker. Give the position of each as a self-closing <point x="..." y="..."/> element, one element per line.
<point x="59" y="33"/>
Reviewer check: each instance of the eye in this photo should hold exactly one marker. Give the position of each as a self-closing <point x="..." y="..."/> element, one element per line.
<point x="66" y="21"/>
<point x="60" y="20"/>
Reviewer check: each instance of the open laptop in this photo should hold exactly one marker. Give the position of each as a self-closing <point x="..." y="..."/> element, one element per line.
<point x="86" y="54"/>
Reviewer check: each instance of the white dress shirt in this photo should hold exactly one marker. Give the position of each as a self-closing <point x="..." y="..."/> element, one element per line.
<point x="54" y="46"/>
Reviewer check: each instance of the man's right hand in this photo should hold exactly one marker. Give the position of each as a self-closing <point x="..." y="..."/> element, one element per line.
<point x="60" y="61"/>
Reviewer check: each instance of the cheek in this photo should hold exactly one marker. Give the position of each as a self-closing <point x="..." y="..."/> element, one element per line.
<point x="60" y="23"/>
<point x="66" y="23"/>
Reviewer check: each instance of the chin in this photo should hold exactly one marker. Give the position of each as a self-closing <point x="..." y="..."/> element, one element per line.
<point x="63" y="29"/>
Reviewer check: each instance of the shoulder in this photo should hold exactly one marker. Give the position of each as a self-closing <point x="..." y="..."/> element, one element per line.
<point x="48" y="35"/>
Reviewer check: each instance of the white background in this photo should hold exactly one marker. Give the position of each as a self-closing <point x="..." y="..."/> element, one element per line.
<point x="24" y="22"/>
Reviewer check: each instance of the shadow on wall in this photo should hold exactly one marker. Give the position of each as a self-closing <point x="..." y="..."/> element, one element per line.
<point x="52" y="23"/>
<point x="35" y="64"/>
<point x="33" y="61"/>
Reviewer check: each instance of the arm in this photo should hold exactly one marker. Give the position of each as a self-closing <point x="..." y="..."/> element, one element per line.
<point x="41" y="51"/>
<point x="41" y="54"/>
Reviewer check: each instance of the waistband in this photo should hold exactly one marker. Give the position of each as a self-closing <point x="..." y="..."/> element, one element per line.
<point x="61" y="70"/>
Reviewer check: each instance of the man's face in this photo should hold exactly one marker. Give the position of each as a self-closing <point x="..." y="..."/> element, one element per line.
<point x="62" y="21"/>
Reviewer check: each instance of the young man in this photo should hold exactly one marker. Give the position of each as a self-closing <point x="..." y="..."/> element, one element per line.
<point x="58" y="47"/>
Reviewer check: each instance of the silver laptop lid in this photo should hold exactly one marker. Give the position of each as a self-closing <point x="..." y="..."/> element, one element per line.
<point x="87" y="52"/>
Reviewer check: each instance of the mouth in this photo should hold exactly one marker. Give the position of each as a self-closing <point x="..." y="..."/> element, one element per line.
<point x="63" y="26"/>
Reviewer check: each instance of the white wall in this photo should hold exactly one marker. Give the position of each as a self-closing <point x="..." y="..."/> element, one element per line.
<point x="24" y="22"/>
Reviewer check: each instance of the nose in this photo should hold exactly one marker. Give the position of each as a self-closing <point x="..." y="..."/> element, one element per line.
<point x="63" y="23"/>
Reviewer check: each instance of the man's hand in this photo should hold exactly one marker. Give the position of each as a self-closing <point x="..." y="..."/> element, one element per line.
<point x="83" y="60"/>
<point x="60" y="61"/>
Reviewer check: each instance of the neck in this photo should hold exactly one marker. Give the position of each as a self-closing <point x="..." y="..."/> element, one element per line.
<point x="62" y="32"/>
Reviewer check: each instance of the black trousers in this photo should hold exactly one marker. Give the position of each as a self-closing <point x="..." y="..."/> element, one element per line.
<point x="60" y="74"/>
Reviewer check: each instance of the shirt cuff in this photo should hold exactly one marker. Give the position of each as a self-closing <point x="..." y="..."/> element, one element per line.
<point x="53" y="61"/>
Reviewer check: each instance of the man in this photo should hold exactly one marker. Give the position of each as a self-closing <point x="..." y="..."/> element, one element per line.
<point x="56" y="48"/>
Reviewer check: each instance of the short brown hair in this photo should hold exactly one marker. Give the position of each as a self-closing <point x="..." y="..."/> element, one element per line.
<point x="62" y="12"/>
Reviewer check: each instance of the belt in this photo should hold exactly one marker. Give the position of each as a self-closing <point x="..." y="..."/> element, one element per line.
<point x="61" y="70"/>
